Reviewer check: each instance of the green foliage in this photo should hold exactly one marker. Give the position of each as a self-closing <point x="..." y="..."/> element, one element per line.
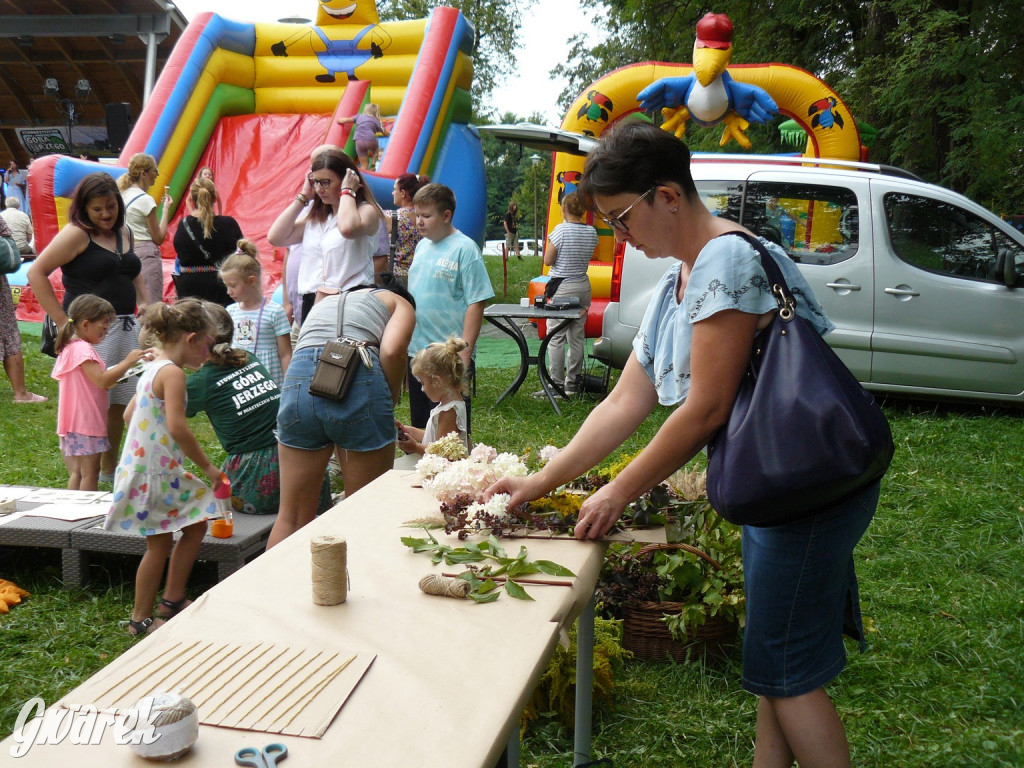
<point x="496" y="33"/>
<point x="630" y="576"/>
<point x="483" y="588"/>
<point x="554" y="698"/>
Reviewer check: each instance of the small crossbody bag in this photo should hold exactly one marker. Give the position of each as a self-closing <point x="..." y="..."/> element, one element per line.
<point x="336" y="368"/>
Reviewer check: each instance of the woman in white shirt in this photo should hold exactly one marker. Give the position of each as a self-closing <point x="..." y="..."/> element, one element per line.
<point x="338" y="234"/>
<point x="148" y="230"/>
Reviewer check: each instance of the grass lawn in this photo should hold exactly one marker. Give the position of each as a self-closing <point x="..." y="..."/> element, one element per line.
<point x="942" y="591"/>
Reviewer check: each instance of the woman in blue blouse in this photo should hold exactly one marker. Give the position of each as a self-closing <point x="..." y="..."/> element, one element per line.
<point x="690" y="354"/>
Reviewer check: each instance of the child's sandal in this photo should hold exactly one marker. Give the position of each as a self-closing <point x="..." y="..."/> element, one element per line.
<point x="168" y="609"/>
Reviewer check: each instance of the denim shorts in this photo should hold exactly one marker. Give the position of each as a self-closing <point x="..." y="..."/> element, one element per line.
<point x="363" y="421"/>
<point x="802" y="597"/>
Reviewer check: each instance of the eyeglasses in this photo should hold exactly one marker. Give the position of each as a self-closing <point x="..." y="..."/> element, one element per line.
<point x="322" y="183"/>
<point x="617" y="222"/>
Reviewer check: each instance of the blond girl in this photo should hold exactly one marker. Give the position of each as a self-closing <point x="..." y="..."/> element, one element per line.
<point x="261" y="325"/>
<point x="442" y="374"/>
<point x="154" y="495"/>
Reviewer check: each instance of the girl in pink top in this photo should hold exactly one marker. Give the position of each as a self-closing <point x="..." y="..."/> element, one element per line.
<point x="83" y="381"/>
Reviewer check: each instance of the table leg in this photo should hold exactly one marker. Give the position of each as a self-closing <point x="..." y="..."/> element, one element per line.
<point x="513" y="330"/>
<point x="584" y="684"/>
<point x="549" y="386"/>
<point x="512" y="750"/>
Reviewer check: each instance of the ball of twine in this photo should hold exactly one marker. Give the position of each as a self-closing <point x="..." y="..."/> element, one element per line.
<point x="444" y="586"/>
<point x="330" y="570"/>
<point x="170" y="708"/>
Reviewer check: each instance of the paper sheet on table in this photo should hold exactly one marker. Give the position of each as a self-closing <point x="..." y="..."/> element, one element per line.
<point x="16" y="491"/>
<point x="63" y="495"/>
<point x="66" y="511"/>
<point x="4" y="519"/>
<point x="268" y="687"/>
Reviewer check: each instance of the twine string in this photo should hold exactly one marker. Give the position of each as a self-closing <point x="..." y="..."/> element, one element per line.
<point x="330" y="570"/>
<point x="444" y="586"/>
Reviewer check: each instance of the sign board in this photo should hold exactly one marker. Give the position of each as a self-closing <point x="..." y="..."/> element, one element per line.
<point x="51" y="140"/>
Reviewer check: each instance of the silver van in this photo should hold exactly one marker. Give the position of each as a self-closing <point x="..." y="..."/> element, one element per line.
<point x="925" y="288"/>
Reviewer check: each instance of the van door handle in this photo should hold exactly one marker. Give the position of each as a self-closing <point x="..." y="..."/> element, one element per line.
<point x="902" y="291"/>
<point x="843" y="286"/>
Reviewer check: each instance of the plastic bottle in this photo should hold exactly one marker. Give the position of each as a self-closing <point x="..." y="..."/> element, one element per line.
<point x="223" y="528"/>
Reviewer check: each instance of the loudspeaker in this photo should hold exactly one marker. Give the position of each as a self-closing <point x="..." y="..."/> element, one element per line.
<point x="119" y="123"/>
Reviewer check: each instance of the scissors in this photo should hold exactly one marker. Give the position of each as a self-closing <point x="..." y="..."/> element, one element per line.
<point x="268" y="757"/>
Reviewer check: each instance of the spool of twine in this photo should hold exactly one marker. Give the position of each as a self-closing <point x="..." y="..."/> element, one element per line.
<point x="444" y="586"/>
<point x="330" y="574"/>
<point x="171" y="708"/>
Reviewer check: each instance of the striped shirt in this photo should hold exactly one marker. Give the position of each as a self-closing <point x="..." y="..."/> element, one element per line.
<point x="575" y="244"/>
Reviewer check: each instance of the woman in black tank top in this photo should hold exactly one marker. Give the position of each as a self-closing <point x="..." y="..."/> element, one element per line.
<point x="95" y="255"/>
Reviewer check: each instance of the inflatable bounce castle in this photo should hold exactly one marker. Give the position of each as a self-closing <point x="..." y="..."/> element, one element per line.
<point x="253" y="100"/>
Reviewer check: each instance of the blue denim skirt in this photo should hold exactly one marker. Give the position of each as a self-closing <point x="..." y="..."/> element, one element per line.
<point x="802" y="597"/>
<point x="363" y="421"/>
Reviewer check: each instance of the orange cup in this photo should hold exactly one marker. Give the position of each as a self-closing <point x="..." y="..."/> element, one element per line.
<point x="221" y="529"/>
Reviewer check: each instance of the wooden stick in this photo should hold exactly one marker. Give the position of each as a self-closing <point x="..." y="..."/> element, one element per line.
<point x="502" y="579"/>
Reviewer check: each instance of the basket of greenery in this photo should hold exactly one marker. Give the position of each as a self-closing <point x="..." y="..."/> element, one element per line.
<point x="679" y="599"/>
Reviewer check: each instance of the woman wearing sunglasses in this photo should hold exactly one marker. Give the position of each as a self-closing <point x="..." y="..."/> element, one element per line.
<point x="339" y="231"/>
<point x="690" y="354"/>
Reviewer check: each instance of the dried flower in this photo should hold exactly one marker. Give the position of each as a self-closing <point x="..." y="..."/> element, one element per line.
<point x="449" y="447"/>
<point x="689" y="484"/>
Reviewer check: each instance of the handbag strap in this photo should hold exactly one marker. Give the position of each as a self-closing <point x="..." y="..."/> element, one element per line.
<point x="341" y="314"/>
<point x="199" y="245"/>
<point x="780" y="288"/>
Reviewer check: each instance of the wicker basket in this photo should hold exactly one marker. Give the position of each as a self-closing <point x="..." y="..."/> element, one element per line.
<point x="648" y="637"/>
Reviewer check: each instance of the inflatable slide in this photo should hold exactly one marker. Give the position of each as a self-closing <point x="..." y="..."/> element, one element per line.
<point x="253" y="100"/>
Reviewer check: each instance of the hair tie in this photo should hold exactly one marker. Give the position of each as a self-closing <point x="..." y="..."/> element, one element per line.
<point x="221" y="349"/>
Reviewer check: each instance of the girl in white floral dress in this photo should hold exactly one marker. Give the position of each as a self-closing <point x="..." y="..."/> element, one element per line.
<point x="154" y="495"/>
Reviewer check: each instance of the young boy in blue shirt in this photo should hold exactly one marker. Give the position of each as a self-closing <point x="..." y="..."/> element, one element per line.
<point x="449" y="281"/>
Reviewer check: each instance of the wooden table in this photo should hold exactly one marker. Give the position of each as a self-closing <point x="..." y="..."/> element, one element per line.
<point x="503" y="317"/>
<point x="450" y="678"/>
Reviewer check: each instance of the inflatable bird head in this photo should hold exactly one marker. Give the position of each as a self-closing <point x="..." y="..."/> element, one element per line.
<point x="712" y="50"/>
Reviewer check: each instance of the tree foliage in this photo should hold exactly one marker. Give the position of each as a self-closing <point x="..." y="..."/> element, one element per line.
<point x="939" y="79"/>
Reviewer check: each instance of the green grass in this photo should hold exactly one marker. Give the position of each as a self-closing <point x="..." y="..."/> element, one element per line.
<point x="942" y="591"/>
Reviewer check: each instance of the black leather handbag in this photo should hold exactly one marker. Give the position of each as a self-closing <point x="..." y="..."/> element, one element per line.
<point x="803" y="433"/>
<point x="48" y="337"/>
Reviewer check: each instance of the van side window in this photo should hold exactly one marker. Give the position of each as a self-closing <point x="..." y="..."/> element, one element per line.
<point x="944" y="238"/>
<point x="815" y="224"/>
<point x="721" y="199"/>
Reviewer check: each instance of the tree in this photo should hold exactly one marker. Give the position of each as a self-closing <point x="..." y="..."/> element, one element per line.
<point x="496" y="33"/>
<point x="939" y="79"/>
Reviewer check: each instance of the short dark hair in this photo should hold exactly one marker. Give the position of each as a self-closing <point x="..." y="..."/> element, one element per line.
<point x="437" y="195"/>
<point x="99" y="184"/>
<point x="634" y="156"/>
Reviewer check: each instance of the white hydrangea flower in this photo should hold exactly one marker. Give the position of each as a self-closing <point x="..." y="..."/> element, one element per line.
<point x="497" y="506"/>
<point x="548" y="452"/>
<point x="430" y="465"/>
<point x="483" y="453"/>
<point x="509" y="465"/>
